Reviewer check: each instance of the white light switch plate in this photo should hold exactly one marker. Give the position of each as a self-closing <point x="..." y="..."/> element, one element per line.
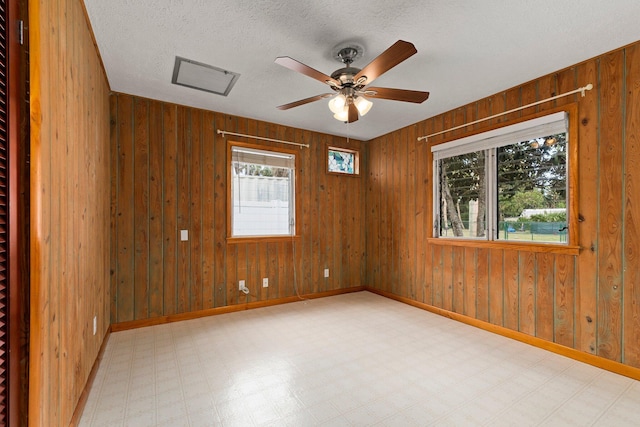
<point x="184" y="235"/>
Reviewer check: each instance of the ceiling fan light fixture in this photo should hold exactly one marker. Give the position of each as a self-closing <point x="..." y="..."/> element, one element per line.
<point x="343" y="115"/>
<point x="363" y="105"/>
<point x="337" y="104"/>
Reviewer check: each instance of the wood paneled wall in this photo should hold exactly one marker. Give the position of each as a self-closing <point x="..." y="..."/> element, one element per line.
<point x="169" y="169"/>
<point x="70" y="231"/>
<point x="590" y="302"/>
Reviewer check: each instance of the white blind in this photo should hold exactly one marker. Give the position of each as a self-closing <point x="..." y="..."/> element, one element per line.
<point x="263" y="157"/>
<point x="542" y="126"/>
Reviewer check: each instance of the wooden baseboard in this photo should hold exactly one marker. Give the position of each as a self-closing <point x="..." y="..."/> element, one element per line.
<point x="133" y="324"/>
<point x="77" y="413"/>
<point x="591" y="359"/>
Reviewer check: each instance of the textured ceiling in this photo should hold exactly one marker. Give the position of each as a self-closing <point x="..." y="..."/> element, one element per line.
<point x="466" y="50"/>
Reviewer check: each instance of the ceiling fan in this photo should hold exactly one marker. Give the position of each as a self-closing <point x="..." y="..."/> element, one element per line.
<point x="350" y="83"/>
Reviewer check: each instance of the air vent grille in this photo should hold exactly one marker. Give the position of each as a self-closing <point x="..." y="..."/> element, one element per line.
<point x="207" y="78"/>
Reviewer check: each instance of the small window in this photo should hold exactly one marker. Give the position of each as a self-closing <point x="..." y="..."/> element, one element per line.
<point x="262" y="192"/>
<point x="508" y="184"/>
<point x="343" y="160"/>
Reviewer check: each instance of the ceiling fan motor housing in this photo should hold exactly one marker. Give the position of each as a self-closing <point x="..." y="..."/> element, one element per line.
<point x="345" y="75"/>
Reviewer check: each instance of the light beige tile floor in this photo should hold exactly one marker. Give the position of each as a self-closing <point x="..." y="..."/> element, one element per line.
<point x="350" y="360"/>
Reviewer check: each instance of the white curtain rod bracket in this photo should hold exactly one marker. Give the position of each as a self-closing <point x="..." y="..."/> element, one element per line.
<point x="581" y="90"/>
<point x="224" y="133"/>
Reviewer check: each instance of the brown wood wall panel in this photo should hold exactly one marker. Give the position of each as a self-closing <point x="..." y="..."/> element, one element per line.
<point x="70" y="220"/>
<point x="511" y="289"/>
<point x="141" y="202"/>
<point x="469" y="290"/>
<point x="588" y="302"/>
<point x="458" y="280"/>
<point x="156" y="266"/>
<point x="544" y="302"/>
<point x="564" y="327"/>
<point x="169" y="216"/>
<point x="171" y="174"/>
<point x="207" y="180"/>
<point x="527" y="298"/>
<point x="482" y="285"/>
<point x="631" y="250"/>
<point x="609" y="331"/>
<point x="125" y="217"/>
<point x="586" y="306"/>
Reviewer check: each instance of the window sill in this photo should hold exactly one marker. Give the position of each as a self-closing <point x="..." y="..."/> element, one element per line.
<point x="260" y="239"/>
<point x="353" y="175"/>
<point x="515" y="246"/>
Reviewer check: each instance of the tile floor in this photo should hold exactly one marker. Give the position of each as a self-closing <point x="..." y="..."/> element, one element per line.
<point x="350" y="360"/>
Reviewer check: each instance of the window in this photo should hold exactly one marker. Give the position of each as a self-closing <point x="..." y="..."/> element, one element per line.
<point x="262" y="192"/>
<point x="508" y="184"/>
<point x="343" y="160"/>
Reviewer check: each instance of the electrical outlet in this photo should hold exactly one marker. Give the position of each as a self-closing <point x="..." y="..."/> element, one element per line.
<point x="265" y="282"/>
<point x="241" y="285"/>
<point x="326" y="272"/>
<point x="95" y="324"/>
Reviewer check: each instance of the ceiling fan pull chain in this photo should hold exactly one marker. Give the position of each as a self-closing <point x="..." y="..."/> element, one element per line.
<point x="347" y="133"/>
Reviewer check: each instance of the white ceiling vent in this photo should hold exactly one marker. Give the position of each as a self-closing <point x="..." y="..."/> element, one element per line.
<point x="208" y="78"/>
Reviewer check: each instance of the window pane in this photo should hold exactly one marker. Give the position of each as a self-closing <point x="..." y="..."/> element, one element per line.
<point x="342" y="161"/>
<point x="532" y="190"/>
<point x="463" y="196"/>
<point x="262" y="200"/>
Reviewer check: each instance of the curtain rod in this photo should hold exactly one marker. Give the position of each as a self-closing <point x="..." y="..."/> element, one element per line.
<point x="224" y="132"/>
<point x="581" y="90"/>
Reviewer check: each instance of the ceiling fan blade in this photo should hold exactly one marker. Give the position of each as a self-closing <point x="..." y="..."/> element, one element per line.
<point x="415" y="96"/>
<point x="353" y="113"/>
<point x="294" y="65"/>
<point x="388" y="59"/>
<point x="304" y="101"/>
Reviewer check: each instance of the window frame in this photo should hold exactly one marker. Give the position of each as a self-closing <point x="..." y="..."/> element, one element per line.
<point x="572" y="244"/>
<point x="356" y="161"/>
<point x="231" y="239"/>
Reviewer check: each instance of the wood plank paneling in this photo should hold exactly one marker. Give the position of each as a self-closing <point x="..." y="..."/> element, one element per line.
<point x="447" y="277"/>
<point x="156" y="264"/>
<point x="125" y="216"/>
<point x="70" y="159"/>
<point x="219" y="210"/>
<point x="527" y="287"/>
<point x="437" y="275"/>
<point x="482" y="285"/>
<point x="421" y="217"/>
<point x="544" y="299"/>
<point x="183" y="153"/>
<point x="586" y="311"/>
<point x="140" y="189"/>
<point x="565" y="276"/>
<point x="208" y="225"/>
<point x="469" y="290"/>
<point x="588" y="302"/>
<point x="631" y="250"/>
<point x="169" y="214"/>
<point x="176" y="179"/>
<point x="386" y="211"/>
<point x="511" y="289"/>
<point x="458" y="279"/>
<point x="609" y="331"/>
